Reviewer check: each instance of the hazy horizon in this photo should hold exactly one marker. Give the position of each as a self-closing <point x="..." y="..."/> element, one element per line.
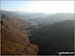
<point x="46" y="7"/>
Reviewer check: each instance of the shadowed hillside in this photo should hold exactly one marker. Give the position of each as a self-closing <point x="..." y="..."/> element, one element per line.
<point x="58" y="37"/>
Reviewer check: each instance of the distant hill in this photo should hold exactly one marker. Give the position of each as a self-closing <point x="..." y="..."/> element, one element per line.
<point x="41" y="18"/>
<point x="58" y="37"/>
<point x="58" y="17"/>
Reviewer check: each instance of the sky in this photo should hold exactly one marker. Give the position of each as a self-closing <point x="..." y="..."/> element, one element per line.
<point x="39" y="6"/>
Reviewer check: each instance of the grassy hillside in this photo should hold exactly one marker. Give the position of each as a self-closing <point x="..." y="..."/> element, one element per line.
<point x="14" y="37"/>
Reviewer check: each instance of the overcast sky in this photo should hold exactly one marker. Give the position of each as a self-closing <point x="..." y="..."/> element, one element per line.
<point x="39" y="6"/>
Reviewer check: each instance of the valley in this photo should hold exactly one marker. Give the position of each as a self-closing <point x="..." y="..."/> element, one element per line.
<point x="36" y="33"/>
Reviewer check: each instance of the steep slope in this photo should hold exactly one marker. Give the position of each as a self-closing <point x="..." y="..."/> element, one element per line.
<point x="14" y="37"/>
<point x="16" y="43"/>
<point x="58" y="37"/>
